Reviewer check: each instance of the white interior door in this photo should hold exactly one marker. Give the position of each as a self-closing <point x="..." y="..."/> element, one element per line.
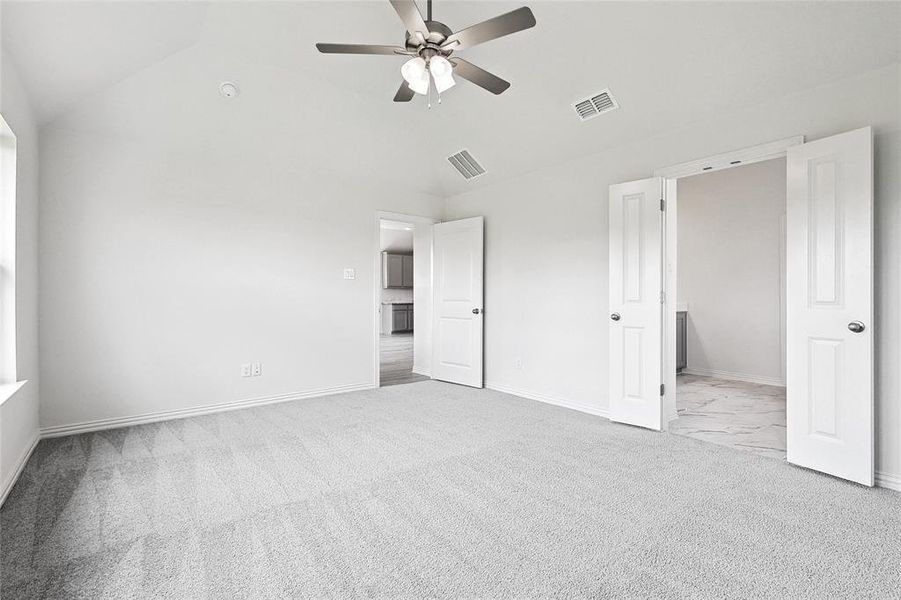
<point x="829" y="359"/>
<point x="636" y="310"/>
<point x="458" y="326"/>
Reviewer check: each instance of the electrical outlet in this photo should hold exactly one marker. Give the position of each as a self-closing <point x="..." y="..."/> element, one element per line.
<point x="246" y="370"/>
<point x="517" y="363"/>
<point x="350" y="274"/>
<point x="257" y="369"/>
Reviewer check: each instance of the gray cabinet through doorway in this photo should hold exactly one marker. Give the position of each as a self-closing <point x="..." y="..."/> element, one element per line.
<point x="407" y="278"/>
<point x="681" y="342"/>
<point x="397" y="270"/>
<point x="401" y="317"/>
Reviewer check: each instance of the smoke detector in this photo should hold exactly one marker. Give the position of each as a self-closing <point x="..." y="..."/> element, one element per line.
<point x="228" y="89"/>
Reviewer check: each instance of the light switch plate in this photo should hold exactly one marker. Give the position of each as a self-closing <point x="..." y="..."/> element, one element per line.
<point x="350" y="274"/>
<point x="257" y="369"/>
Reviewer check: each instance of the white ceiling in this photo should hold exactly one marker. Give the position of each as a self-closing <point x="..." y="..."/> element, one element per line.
<point x="155" y="67"/>
<point x="395" y="236"/>
<point x="66" y="50"/>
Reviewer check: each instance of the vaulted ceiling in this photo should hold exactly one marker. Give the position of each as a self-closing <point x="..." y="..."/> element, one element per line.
<point x="153" y="68"/>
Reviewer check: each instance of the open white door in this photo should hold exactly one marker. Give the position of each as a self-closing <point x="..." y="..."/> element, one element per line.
<point x="636" y="311"/>
<point x="829" y="225"/>
<point x="457" y="331"/>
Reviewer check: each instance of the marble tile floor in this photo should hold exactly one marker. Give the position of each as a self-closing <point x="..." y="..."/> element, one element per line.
<point x="745" y="416"/>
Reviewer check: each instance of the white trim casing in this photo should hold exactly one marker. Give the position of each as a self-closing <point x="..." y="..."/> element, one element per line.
<point x="728" y="160"/>
<point x="167" y="415"/>
<point x="8" y="390"/>
<point x="668" y="324"/>
<point x="556" y="401"/>
<point x="732" y="376"/>
<point x="8" y="157"/>
<point x="888" y="481"/>
<point x="20" y="466"/>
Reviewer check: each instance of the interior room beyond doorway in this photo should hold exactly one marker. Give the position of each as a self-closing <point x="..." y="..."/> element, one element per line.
<point x="396" y="306"/>
<point x="731" y="309"/>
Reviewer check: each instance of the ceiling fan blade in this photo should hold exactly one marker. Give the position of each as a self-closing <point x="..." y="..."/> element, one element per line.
<point x="359" y="49"/>
<point x="479" y="76"/>
<point x="511" y="22"/>
<point x="410" y="15"/>
<point x="404" y="93"/>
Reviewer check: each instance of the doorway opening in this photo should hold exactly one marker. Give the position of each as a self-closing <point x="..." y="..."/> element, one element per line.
<point x="397" y="303"/>
<point x="730" y="307"/>
<point x="827" y="359"/>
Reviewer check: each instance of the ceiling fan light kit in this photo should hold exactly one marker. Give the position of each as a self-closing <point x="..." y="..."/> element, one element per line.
<point x="431" y="45"/>
<point x="416" y="73"/>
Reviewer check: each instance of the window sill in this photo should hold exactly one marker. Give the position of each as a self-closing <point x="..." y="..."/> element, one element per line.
<point x="8" y="390"/>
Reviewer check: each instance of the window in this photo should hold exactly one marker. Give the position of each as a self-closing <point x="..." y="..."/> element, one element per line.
<point x="7" y="253"/>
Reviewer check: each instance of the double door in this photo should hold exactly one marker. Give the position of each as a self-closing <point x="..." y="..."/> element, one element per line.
<point x="829" y="300"/>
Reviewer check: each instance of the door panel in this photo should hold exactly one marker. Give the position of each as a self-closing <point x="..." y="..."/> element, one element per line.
<point x="407" y="271"/>
<point x="395" y="269"/>
<point x="636" y="284"/>
<point x="399" y="319"/>
<point x="829" y="224"/>
<point x="458" y="322"/>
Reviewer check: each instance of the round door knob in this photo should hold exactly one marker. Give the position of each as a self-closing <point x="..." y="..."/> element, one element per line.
<point x="476" y="311"/>
<point x="615" y="316"/>
<point x="856" y="326"/>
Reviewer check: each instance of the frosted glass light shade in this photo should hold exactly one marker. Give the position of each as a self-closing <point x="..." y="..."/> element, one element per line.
<point x="442" y="72"/>
<point x="416" y="75"/>
<point x="440" y="66"/>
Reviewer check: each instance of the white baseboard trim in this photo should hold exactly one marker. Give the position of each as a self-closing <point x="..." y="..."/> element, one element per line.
<point x="20" y="465"/>
<point x="736" y="376"/>
<point x="425" y="372"/>
<point x="888" y="481"/>
<point x="101" y="424"/>
<point x="556" y="401"/>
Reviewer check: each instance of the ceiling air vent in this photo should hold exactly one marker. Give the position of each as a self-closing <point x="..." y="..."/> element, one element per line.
<point x="596" y="105"/>
<point x="466" y="164"/>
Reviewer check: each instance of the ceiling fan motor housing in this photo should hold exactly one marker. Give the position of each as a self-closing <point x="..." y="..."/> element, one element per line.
<point x="432" y="43"/>
<point x="437" y="33"/>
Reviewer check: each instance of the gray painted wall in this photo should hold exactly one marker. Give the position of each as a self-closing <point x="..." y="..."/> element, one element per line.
<point x="730" y="269"/>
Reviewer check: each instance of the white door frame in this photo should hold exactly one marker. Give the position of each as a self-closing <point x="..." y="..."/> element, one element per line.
<point x="419" y="223"/>
<point x="718" y="162"/>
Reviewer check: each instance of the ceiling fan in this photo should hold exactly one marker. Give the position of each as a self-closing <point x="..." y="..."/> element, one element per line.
<point x="431" y="45"/>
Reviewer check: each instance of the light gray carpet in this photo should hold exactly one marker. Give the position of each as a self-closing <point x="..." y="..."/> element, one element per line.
<point x="433" y="490"/>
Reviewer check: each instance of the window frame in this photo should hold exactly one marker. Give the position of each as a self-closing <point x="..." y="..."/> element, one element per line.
<point x="8" y="163"/>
